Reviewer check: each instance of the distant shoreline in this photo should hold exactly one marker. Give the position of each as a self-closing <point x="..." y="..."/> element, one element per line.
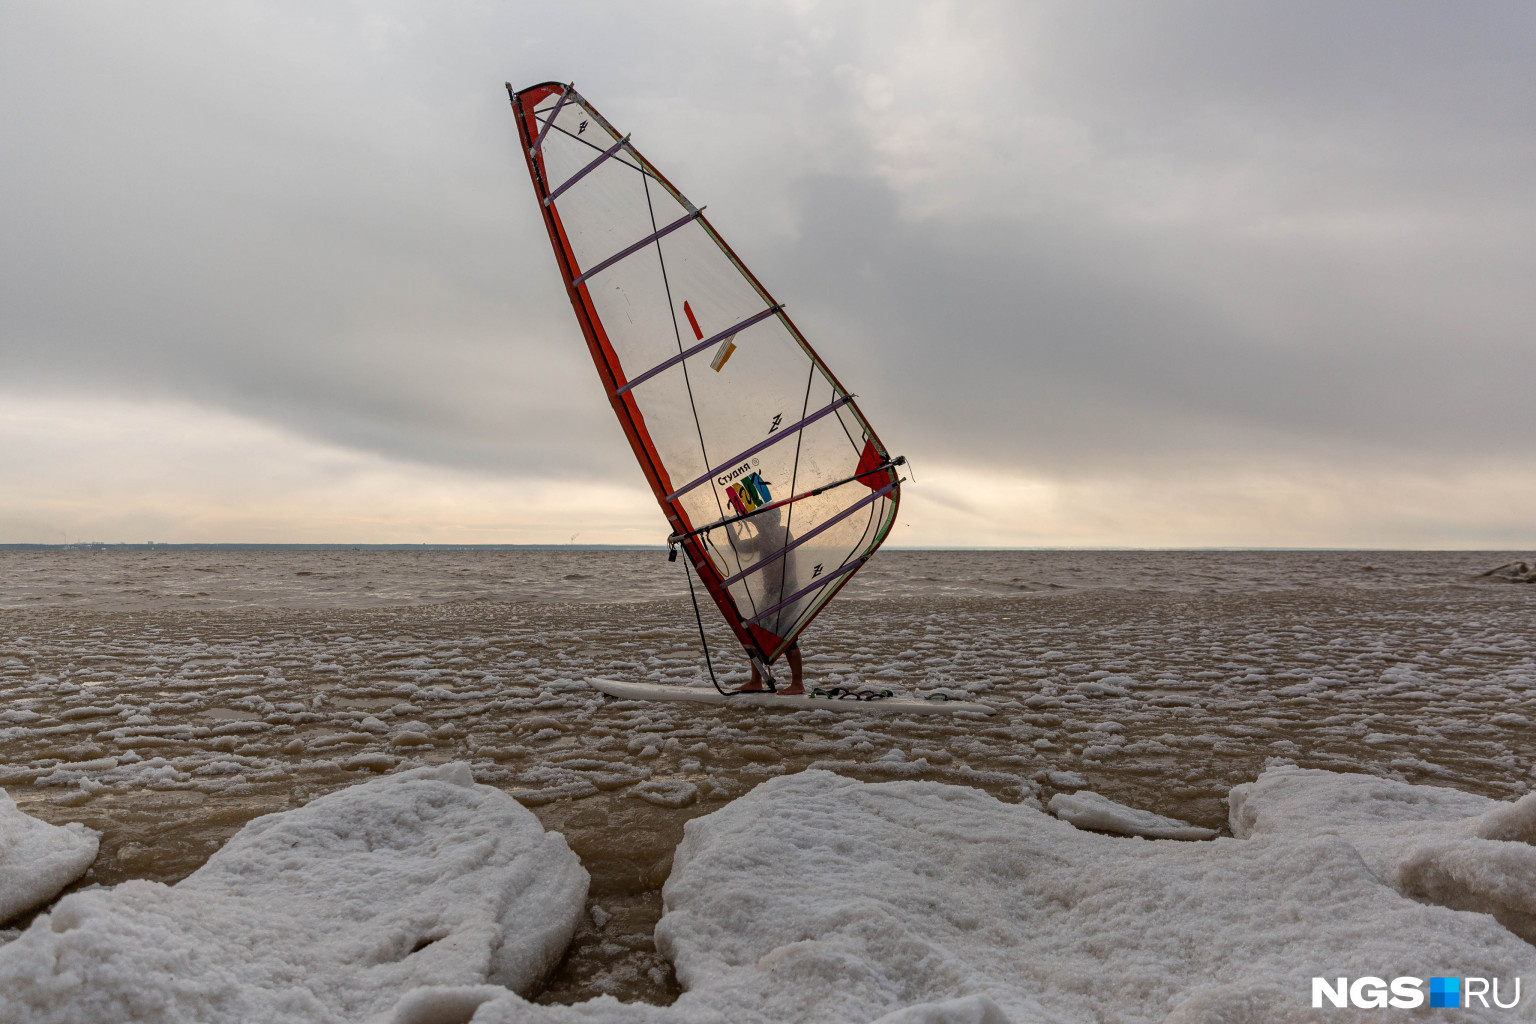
<point x="156" y="546"/>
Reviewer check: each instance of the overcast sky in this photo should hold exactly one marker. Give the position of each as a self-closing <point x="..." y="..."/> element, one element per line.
<point x="1164" y="274"/>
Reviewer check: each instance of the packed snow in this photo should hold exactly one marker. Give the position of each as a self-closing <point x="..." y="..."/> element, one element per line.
<point x="329" y="912"/>
<point x="817" y="898"/>
<point x="37" y="859"/>
<point x="1430" y="843"/>
<point x="1087" y="809"/>
<point x="423" y="898"/>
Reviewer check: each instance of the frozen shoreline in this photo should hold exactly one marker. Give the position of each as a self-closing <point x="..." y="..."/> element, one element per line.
<point x="813" y="898"/>
<point x="330" y="912"/>
<point x="168" y="725"/>
<point x="37" y="860"/>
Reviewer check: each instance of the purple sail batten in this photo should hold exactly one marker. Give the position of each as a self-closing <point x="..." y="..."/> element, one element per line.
<point x="786" y="549"/>
<point x="788" y="431"/>
<point x="797" y="595"/>
<point x="565" y="94"/>
<point x="700" y="347"/>
<point x="647" y="240"/>
<point x="573" y="179"/>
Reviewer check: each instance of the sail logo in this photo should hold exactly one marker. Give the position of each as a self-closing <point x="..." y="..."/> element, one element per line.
<point x="1408" y="993"/>
<point x="748" y="494"/>
<point x="724" y="479"/>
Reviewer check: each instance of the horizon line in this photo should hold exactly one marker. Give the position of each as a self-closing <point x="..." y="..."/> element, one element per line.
<point x="428" y="546"/>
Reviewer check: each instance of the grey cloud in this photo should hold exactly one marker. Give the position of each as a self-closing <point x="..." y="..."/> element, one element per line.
<point x="1048" y="337"/>
<point x="318" y="217"/>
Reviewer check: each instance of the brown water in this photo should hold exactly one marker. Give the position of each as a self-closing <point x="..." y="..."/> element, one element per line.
<point x="167" y="697"/>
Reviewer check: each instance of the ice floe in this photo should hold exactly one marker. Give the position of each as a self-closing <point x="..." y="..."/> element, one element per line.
<point x="1451" y="848"/>
<point x="1087" y="809"/>
<point x="816" y="898"/>
<point x="330" y="912"/>
<point x="416" y="899"/>
<point x="37" y="859"/>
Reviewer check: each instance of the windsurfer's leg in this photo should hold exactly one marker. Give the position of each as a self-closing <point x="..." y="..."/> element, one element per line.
<point x="796" y="674"/>
<point x="755" y="685"/>
<point x="796" y="671"/>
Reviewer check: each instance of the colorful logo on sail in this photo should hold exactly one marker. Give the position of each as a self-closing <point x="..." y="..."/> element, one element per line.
<point x="748" y="494"/>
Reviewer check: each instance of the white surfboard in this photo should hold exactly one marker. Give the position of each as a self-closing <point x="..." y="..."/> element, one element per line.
<point x="803" y="702"/>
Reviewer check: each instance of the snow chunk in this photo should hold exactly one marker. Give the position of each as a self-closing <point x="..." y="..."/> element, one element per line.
<point x="817" y="898"/>
<point x="1287" y="800"/>
<point x="667" y="792"/>
<point x="1106" y="687"/>
<point x="1087" y="809"/>
<point x="331" y="912"/>
<point x="1456" y="849"/>
<point x="38" y="859"/>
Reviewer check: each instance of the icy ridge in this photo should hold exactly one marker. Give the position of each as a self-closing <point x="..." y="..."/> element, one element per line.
<point x="37" y="860"/>
<point x="1087" y="809"/>
<point x="1452" y="848"/>
<point x="816" y="898"/>
<point x="330" y="912"/>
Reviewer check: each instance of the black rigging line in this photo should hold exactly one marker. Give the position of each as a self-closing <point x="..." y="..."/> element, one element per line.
<point x="677" y="333"/>
<point x="703" y="641"/>
<point x="794" y="476"/>
<point x="856" y="446"/>
<point x="678" y="538"/>
<point x="858" y="550"/>
<point x="594" y="146"/>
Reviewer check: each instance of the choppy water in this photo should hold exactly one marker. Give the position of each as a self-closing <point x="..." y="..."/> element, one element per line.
<point x="166" y="697"/>
<point x="143" y="580"/>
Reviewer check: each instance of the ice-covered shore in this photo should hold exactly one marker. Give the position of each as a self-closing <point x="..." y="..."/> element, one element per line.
<point x="37" y="859"/>
<point x="813" y="898"/>
<point x="329" y="912"/>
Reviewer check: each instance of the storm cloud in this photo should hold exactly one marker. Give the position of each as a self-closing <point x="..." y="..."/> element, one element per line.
<point x="1184" y="273"/>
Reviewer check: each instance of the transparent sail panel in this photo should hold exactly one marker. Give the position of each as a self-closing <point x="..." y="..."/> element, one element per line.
<point x="734" y="417"/>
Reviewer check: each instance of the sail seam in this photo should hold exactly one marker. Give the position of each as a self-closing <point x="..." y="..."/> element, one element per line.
<point x="837" y="574"/>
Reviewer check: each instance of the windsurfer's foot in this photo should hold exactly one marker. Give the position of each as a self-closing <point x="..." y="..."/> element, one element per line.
<point x="788" y="691"/>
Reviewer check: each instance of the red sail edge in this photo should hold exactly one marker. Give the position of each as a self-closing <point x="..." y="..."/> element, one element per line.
<point x="759" y="642"/>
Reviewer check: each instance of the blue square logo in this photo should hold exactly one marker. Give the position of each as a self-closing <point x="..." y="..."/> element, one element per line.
<point x="1445" y="992"/>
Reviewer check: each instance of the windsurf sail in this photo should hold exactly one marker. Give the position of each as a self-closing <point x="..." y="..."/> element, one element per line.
<point x="774" y="483"/>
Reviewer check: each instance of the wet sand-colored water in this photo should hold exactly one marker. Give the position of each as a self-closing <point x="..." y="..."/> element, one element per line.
<point x="169" y="700"/>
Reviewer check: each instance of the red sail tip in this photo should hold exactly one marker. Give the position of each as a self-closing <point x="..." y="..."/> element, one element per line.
<point x="692" y="321"/>
<point x="868" y="461"/>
